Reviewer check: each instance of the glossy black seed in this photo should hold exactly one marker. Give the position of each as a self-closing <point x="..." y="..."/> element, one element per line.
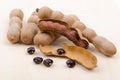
<point x="48" y="62"/>
<point x="70" y="63"/>
<point x="38" y="60"/>
<point x="31" y="50"/>
<point x="60" y="51"/>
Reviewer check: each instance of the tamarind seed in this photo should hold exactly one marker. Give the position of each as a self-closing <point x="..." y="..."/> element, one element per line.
<point x="70" y="63"/>
<point x="38" y="60"/>
<point x="31" y="50"/>
<point x="60" y="51"/>
<point x="48" y="62"/>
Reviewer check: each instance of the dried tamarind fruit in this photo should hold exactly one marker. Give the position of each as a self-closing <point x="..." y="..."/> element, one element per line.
<point x="28" y="32"/>
<point x="101" y="43"/>
<point x="15" y="25"/>
<point x="58" y="27"/>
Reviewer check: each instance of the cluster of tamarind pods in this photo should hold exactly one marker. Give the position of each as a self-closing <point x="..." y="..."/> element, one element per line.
<point x="46" y="25"/>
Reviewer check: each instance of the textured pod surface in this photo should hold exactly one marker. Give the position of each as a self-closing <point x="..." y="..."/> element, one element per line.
<point x="17" y="13"/>
<point x="33" y="19"/>
<point x="28" y="32"/>
<point x="68" y="19"/>
<point x="104" y="45"/>
<point x="43" y="38"/>
<point x="57" y="15"/>
<point x="15" y="20"/>
<point x="89" y="34"/>
<point x="74" y="17"/>
<point x="79" y="25"/>
<point x="13" y="33"/>
<point x="81" y="55"/>
<point x="44" y="12"/>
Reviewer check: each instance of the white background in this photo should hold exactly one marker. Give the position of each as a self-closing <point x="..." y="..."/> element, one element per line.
<point x="101" y="15"/>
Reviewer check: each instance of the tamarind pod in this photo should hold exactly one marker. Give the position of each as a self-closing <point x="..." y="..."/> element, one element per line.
<point x="101" y="43"/>
<point x="104" y="45"/>
<point x="28" y="32"/>
<point x="13" y="34"/>
<point x="15" y="25"/>
<point x="62" y="29"/>
<point x="16" y="12"/>
<point x="44" y="12"/>
<point x="41" y="38"/>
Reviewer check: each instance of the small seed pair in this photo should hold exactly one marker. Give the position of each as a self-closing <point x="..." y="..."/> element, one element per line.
<point x="46" y="62"/>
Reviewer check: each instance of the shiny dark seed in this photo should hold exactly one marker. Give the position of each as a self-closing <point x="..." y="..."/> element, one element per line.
<point x="60" y="51"/>
<point x="38" y="60"/>
<point x="48" y="62"/>
<point x="70" y="63"/>
<point x="31" y="50"/>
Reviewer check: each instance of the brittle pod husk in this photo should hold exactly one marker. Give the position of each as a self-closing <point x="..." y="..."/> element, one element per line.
<point x="79" y="54"/>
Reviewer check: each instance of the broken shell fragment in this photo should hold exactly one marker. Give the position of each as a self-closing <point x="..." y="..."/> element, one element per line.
<point x="79" y="54"/>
